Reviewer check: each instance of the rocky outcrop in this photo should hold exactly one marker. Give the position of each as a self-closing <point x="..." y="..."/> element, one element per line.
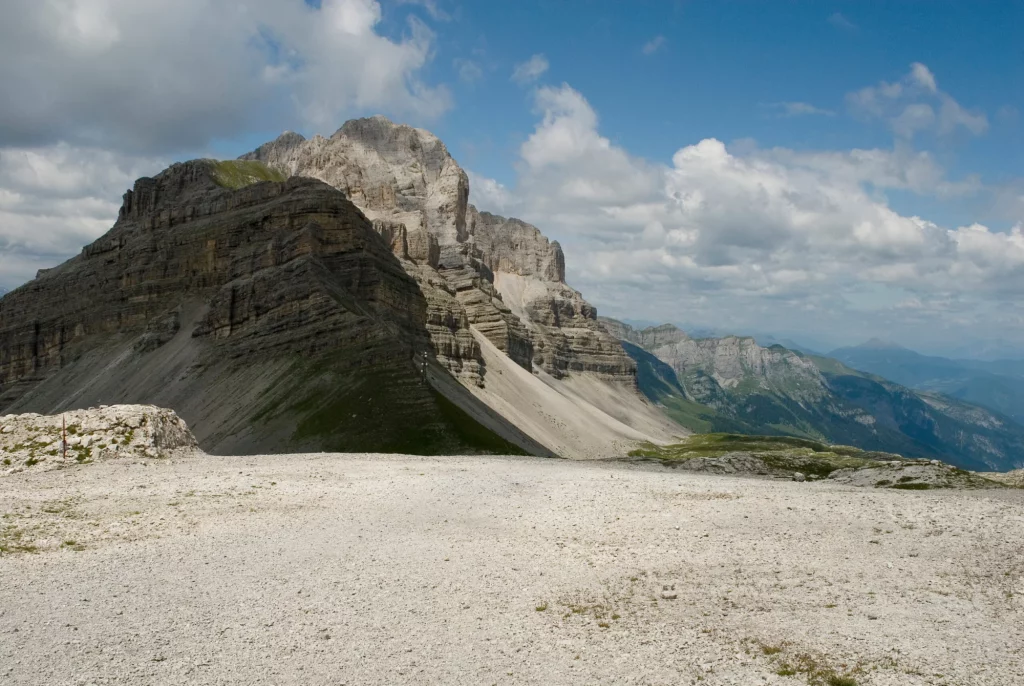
<point x="1014" y="478"/>
<point x="399" y="175"/>
<point x="36" y="442"/>
<point x="271" y="317"/>
<point x="912" y="475"/>
<point x="515" y="247"/>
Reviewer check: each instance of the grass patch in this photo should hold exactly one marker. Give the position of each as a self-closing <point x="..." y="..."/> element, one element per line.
<point x="13" y="540"/>
<point x="912" y="486"/>
<point x="600" y="612"/>
<point x="235" y="174"/>
<point x="780" y="453"/>
<point x="815" y="670"/>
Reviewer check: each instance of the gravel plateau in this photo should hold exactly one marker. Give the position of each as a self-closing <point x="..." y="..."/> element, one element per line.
<point x="390" y="569"/>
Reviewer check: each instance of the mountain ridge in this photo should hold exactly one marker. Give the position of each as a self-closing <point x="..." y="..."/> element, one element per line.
<point x="734" y="385"/>
<point x="997" y="385"/>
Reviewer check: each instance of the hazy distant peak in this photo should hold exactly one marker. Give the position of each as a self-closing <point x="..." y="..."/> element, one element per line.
<point x="878" y="343"/>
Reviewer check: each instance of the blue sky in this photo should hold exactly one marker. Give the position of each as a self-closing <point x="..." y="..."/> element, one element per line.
<point x="720" y="68"/>
<point x="816" y="170"/>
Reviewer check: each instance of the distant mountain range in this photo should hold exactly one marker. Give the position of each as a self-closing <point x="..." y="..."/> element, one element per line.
<point x="997" y="385"/>
<point x="732" y="384"/>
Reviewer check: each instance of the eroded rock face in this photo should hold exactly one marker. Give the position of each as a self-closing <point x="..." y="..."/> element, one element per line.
<point x="515" y="247"/>
<point x="405" y="181"/>
<point x="731" y="361"/>
<point x="33" y="441"/>
<point x="260" y="257"/>
<point x="403" y="176"/>
<point x="273" y="317"/>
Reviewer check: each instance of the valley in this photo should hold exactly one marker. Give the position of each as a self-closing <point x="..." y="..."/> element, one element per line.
<point x="734" y="385"/>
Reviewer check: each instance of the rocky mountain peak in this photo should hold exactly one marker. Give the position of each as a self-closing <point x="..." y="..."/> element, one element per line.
<point x="515" y="247"/>
<point x="398" y="143"/>
<point x="183" y="189"/>
<point x="500" y="276"/>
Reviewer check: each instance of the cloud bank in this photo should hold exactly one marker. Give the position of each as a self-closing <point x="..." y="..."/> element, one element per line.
<point x="100" y="92"/>
<point x="724" y="236"/>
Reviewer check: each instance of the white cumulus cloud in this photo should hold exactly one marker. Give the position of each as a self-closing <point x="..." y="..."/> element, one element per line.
<point x="144" y="74"/>
<point x="56" y="199"/>
<point x="753" y="236"/>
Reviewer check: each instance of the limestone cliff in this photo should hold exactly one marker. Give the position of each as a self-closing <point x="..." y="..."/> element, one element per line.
<point x="734" y="362"/>
<point x="507" y="280"/>
<point x="269" y="315"/>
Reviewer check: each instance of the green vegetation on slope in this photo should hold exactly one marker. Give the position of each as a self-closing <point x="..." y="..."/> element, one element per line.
<point x="235" y="174"/>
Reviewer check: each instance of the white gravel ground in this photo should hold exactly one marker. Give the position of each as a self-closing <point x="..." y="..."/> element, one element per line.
<point x="371" y="569"/>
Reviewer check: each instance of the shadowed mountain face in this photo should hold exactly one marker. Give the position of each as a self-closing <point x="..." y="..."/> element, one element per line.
<point x="997" y="385"/>
<point x="734" y="385"/>
<point x="269" y="313"/>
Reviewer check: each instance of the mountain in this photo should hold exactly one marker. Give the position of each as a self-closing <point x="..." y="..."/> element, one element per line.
<point x="477" y="269"/>
<point x="331" y="294"/>
<point x="267" y="312"/>
<point x="997" y="385"/>
<point x="485" y="278"/>
<point x="732" y="384"/>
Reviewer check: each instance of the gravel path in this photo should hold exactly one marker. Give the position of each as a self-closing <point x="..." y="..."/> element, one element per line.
<point x="370" y="569"/>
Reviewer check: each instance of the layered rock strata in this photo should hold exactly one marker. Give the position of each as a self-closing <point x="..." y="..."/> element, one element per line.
<point x="731" y="361"/>
<point x="272" y="317"/>
<point x="508" y="279"/>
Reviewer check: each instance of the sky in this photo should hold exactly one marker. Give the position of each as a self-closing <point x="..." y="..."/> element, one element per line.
<point x="825" y="172"/>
